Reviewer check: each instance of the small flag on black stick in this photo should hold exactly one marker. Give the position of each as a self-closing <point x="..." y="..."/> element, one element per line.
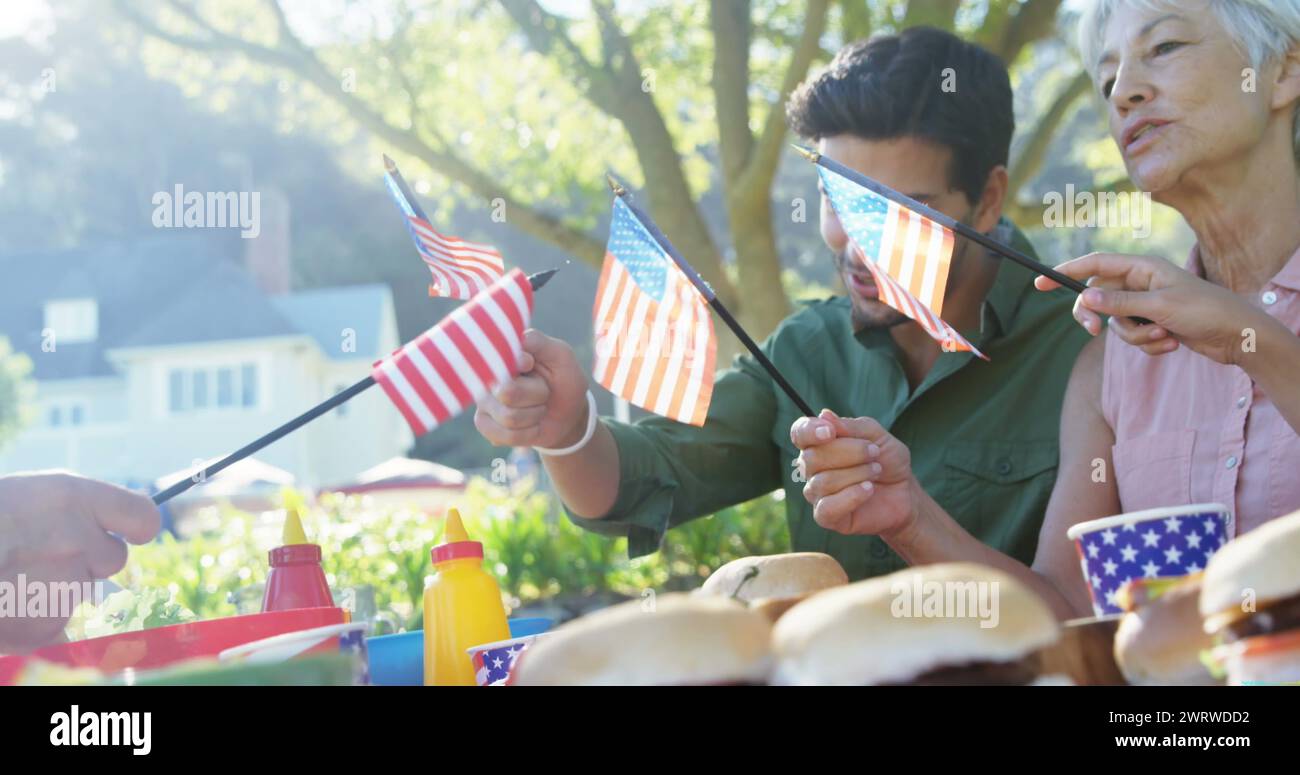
<point x="460" y="268"/>
<point x="711" y="298"/>
<point x="419" y="378"/>
<point x="942" y="219"/>
<point x="948" y="222"/>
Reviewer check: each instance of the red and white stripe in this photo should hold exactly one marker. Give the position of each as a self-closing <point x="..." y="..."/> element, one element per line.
<point x="460" y="268"/>
<point x="917" y="252"/>
<point x="464" y="357"/>
<point x="896" y="296"/>
<point x="658" y="355"/>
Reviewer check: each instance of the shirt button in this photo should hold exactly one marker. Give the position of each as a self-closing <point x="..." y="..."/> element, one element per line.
<point x="1004" y="467"/>
<point x="1241" y="402"/>
<point x="879" y="551"/>
<point x="1232" y="461"/>
<point x="1270" y="297"/>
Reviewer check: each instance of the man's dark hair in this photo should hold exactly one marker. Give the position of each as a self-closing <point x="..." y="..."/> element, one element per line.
<point x="894" y="86"/>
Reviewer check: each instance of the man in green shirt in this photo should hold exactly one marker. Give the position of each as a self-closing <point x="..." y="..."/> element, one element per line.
<point x="983" y="435"/>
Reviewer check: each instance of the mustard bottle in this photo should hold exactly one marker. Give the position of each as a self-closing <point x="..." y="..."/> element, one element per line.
<point x="462" y="608"/>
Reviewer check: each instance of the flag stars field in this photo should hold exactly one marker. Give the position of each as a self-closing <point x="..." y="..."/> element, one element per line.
<point x="907" y="254"/>
<point x="655" y="346"/>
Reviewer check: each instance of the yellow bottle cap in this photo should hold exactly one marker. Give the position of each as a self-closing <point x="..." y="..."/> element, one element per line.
<point x="293" y="532"/>
<point x="455" y="528"/>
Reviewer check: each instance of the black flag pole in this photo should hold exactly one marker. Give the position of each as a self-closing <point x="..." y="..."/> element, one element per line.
<point x="390" y="167"/>
<point x="333" y="402"/>
<point x="710" y="297"/>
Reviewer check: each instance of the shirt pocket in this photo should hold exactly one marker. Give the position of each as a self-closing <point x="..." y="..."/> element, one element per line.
<point x="1154" y="470"/>
<point x="998" y="491"/>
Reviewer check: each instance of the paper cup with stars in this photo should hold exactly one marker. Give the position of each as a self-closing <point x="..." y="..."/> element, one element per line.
<point x="1156" y="543"/>
<point x="492" y="661"/>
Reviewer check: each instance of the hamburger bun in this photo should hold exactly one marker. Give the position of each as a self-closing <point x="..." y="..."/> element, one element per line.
<point x="881" y="631"/>
<point x="1260" y="566"/>
<point x="750" y="579"/>
<point x="679" y="639"/>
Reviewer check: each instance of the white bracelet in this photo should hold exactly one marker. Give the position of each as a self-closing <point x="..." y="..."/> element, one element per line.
<point x="586" y="437"/>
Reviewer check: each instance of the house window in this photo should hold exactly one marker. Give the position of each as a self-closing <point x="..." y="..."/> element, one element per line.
<point x="73" y="320"/>
<point x="225" y="387"/>
<point x="199" y="389"/>
<point x="176" y="400"/>
<point x="248" y="384"/>
<point x="65" y="414"/>
<point x="213" y="387"/>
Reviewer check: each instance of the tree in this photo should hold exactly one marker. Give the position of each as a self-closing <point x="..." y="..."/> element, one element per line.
<point x="620" y="67"/>
<point x="15" y="391"/>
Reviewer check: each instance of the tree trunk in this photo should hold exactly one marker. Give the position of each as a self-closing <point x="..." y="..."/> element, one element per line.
<point x="765" y="304"/>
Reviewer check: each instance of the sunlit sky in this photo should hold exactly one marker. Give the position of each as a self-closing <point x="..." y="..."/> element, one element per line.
<point x="22" y="17"/>
<point x="32" y="17"/>
<point x="18" y="17"/>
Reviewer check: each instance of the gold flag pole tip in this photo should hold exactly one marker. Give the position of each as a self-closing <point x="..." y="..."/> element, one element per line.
<point x="808" y="154"/>
<point x="389" y="164"/>
<point x="614" y="185"/>
<point x="541" y="278"/>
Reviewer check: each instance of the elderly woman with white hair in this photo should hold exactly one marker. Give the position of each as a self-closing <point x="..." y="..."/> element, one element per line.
<point x="1201" y="403"/>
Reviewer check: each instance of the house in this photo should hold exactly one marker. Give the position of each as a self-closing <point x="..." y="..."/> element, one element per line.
<point x="154" y="354"/>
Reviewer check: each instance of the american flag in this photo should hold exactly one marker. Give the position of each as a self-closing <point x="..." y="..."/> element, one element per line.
<point x="460" y="268"/>
<point x="654" y="337"/>
<point x="1156" y="548"/>
<point x="907" y="254"/>
<point x="464" y="357"/>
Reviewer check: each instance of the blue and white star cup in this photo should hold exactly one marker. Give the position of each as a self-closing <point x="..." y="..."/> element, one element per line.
<point x="1156" y="543"/>
<point x="494" y="661"/>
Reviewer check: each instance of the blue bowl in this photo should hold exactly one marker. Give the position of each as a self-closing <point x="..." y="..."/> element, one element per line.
<point x="535" y="625"/>
<point x="398" y="660"/>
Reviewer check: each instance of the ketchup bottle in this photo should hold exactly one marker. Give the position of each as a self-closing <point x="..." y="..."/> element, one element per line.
<point x="296" y="579"/>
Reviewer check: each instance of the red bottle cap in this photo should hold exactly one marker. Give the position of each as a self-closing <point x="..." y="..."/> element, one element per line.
<point x="294" y="554"/>
<point x="458" y="546"/>
<point x="459" y="550"/>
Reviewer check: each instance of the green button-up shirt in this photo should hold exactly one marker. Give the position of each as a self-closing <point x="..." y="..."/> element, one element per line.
<point x="983" y="435"/>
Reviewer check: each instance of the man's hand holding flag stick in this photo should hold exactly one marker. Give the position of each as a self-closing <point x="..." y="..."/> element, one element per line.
<point x="431" y="378"/>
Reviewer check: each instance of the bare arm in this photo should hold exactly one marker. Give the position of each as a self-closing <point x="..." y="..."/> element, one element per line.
<point x="587" y="481"/>
<point x="1274" y="364"/>
<point x="649" y="476"/>
<point x="546" y="406"/>
<point x="1085" y="480"/>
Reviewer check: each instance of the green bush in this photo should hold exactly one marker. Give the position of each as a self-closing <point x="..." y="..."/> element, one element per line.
<point x="535" y="552"/>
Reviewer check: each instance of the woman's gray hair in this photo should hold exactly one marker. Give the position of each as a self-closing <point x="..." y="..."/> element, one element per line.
<point x="1264" y="31"/>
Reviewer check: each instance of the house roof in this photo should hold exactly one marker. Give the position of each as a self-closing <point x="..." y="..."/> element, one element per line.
<point x="174" y="288"/>
<point x="324" y="313"/>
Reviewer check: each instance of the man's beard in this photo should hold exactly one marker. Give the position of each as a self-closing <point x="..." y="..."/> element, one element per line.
<point x="867" y="314"/>
<point x="873" y="314"/>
